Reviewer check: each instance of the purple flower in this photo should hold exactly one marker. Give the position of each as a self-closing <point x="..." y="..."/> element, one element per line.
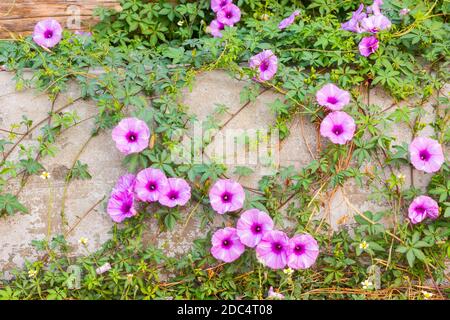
<point x="252" y="225"/>
<point x="149" y="183"/>
<point x="426" y="154"/>
<point x="226" y="245"/>
<point x="421" y="208"/>
<point x="229" y="15"/>
<point x="217" y="5"/>
<point x="125" y="183"/>
<point x="176" y="192"/>
<point x="303" y="251"/>
<point x="289" y="20"/>
<point x="338" y="126"/>
<point x="131" y="135"/>
<point x="368" y="45"/>
<point x="272" y="250"/>
<point x="121" y="205"/>
<point x="404" y="12"/>
<point x="83" y="33"/>
<point x="215" y="27"/>
<point x="353" y="24"/>
<point x="375" y="8"/>
<point x="47" y="33"/>
<point x="226" y="195"/>
<point x="274" y="295"/>
<point x="332" y="97"/>
<point x="375" y="23"/>
<point x="266" y="63"/>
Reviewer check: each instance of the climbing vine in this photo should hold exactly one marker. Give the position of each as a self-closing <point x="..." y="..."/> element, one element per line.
<point x="147" y="54"/>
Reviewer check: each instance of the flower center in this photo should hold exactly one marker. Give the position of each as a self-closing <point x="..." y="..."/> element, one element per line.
<point x="338" y="129"/>
<point x="264" y="65"/>
<point x="48" y="34"/>
<point x="151" y="186"/>
<point x="277" y="247"/>
<point x="132" y="136"/>
<point x="223" y="3"/>
<point x="226" y="197"/>
<point x="126" y="207"/>
<point x="420" y="210"/>
<point x="299" y="249"/>
<point x="256" y="228"/>
<point x="424" y="155"/>
<point x="332" y="100"/>
<point x="227" y="243"/>
<point x="229" y="15"/>
<point x="173" y="195"/>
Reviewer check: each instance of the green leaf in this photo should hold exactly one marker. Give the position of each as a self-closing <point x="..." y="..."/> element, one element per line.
<point x="410" y="257"/>
<point x="79" y="171"/>
<point x="31" y="166"/>
<point x="10" y="204"/>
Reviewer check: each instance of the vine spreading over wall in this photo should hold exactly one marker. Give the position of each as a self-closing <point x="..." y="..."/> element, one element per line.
<point x="149" y="52"/>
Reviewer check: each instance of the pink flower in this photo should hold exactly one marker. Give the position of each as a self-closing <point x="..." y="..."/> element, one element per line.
<point x="368" y="45"/>
<point x="217" y="5"/>
<point x="426" y="154"/>
<point x="131" y="135"/>
<point x="252" y="225"/>
<point x="229" y="15"/>
<point x="375" y="8"/>
<point x="289" y="20"/>
<point x="226" y="245"/>
<point x="149" y="184"/>
<point x="338" y="126"/>
<point x="121" y="206"/>
<point x="266" y="63"/>
<point x="176" y="192"/>
<point x="47" y="33"/>
<point x="375" y="23"/>
<point x="226" y="195"/>
<point x="83" y="33"/>
<point x="274" y="295"/>
<point x="272" y="250"/>
<point x="404" y="12"/>
<point x="303" y="251"/>
<point x="421" y="208"/>
<point x="125" y="183"/>
<point x="215" y="27"/>
<point x="353" y="24"/>
<point x="332" y="97"/>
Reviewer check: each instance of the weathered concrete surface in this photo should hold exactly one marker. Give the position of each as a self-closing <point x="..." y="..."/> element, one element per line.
<point x="210" y="89"/>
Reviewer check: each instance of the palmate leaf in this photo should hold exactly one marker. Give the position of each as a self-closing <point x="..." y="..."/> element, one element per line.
<point x="31" y="166"/>
<point x="10" y="205"/>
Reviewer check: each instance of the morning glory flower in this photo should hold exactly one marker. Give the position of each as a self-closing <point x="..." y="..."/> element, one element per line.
<point x="266" y="64"/>
<point x="229" y="15"/>
<point x="426" y="154"/>
<point x="303" y="251"/>
<point x="252" y="225"/>
<point x="226" y="245"/>
<point x="423" y="207"/>
<point x="177" y="192"/>
<point x="47" y="33"/>
<point x="338" y="126"/>
<point x="226" y="195"/>
<point x="332" y="97"/>
<point x="131" y="135"/>
<point x="289" y="20"/>
<point x="273" y="249"/>
<point x="368" y="45"/>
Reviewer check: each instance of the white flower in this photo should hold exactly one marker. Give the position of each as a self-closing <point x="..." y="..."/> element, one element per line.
<point x="129" y="277"/>
<point x="32" y="273"/>
<point x="363" y="245"/>
<point x="45" y="175"/>
<point x="83" y="241"/>
<point x="427" y="295"/>
<point x="180" y="23"/>
<point x="288" y="271"/>
<point x="367" y="284"/>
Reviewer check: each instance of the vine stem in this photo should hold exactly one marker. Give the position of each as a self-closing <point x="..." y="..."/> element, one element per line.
<point x="68" y="179"/>
<point x="37" y="126"/>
